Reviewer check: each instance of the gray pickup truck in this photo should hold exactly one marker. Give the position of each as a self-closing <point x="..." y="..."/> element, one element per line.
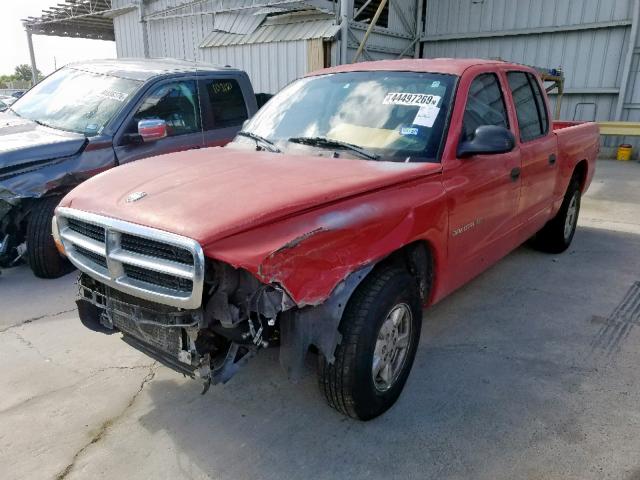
<point x="89" y="117"/>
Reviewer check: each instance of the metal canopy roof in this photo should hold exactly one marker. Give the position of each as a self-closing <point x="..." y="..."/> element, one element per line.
<point x="74" y="18"/>
<point x="278" y="29"/>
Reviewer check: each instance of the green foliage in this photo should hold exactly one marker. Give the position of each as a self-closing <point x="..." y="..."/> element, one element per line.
<point x="21" y="75"/>
<point x="23" y="72"/>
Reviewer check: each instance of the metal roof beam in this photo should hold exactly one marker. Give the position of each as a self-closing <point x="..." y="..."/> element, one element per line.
<point x="526" y="31"/>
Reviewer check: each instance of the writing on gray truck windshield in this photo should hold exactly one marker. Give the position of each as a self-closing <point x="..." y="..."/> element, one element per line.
<point x="75" y="100"/>
<point x="392" y="116"/>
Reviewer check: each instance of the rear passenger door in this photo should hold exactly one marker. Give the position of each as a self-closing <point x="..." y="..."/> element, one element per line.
<point x="177" y="103"/>
<point x="538" y="147"/>
<point x="225" y="108"/>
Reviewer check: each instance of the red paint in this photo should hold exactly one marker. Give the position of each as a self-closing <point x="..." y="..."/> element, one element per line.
<point x="307" y="222"/>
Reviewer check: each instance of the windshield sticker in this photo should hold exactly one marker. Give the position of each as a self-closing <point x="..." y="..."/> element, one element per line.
<point x="426" y="116"/>
<point x="410" y="99"/>
<point x="114" y="95"/>
<point x="435" y="84"/>
<point x="409" y="131"/>
<point x="221" y="87"/>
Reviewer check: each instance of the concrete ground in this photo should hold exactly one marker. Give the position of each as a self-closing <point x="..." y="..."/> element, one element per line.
<point x="528" y="372"/>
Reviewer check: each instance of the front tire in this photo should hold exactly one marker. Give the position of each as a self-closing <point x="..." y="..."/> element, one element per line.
<point x="44" y="259"/>
<point x="381" y="329"/>
<point x="558" y="233"/>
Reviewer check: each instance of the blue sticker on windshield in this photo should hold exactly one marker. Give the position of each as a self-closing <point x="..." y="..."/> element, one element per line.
<point x="409" y="131"/>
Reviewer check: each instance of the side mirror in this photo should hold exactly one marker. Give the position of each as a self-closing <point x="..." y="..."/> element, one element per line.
<point x="152" y="130"/>
<point x="488" y="140"/>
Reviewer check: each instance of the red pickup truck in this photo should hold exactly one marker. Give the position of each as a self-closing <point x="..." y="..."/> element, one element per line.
<point x="356" y="196"/>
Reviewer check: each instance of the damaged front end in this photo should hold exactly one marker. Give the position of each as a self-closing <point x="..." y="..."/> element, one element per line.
<point x="209" y="343"/>
<point x="201" y="317"/>
<point x="12" y="231"/>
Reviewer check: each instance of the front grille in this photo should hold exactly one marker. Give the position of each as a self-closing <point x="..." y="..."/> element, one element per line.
<point x="146" y="246"/>
<point x="95" y="232"/>
<point x="94" y="257"/>
<point x="144" y="262"/>
<point x="159" y="279"/>
<point x="157" y="326"/>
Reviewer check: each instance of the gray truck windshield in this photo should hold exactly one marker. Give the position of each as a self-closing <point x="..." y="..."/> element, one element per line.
<point x="75" y="100"/>
<point x="395" y="116"/>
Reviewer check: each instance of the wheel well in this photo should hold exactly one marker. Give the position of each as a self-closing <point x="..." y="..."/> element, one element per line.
<point x="417" y="258"/>
<point x="580" y="173"/>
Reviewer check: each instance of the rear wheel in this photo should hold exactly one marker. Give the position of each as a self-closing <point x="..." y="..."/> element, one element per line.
<point x="44" y="259"/>
<point x="381" y="329"/>
<point x="557" y="234"/>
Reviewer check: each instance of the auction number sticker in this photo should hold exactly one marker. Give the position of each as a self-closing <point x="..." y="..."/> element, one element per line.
<point x="411" y="99"/>
<point x="114" y="95"/>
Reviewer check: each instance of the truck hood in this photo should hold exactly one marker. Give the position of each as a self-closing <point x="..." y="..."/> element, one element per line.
<point x="25" y="143"/>
<point x="212" y="193"/>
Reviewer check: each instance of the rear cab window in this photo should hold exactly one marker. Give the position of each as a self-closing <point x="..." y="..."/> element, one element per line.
<point x="533" y="118"/>
<point x="227" y="103"/>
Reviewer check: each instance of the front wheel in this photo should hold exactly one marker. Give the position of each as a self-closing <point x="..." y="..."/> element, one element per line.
<point x="381" y="329"/>
<point x="557" y="234"/>
<point x="44" y="259"/>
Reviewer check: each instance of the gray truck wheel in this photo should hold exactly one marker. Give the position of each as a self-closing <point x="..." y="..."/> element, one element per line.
<point x="557" y="234"/>
<point x="43" y="256"/>
<point x="380" y="332"/>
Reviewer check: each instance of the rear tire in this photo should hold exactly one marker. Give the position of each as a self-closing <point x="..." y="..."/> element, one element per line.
<point x="557" y="234"/>
<point x="384" y="311"/>
<point x="44" y="259"/>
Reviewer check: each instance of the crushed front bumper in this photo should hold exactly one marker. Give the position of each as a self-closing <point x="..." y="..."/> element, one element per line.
<point x="167" y="334"/>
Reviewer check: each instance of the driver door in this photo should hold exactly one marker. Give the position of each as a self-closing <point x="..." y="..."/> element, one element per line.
<point x="178" y="104"/>
<point x="483" y="189"/>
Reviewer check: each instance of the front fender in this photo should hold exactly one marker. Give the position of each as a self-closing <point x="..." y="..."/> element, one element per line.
<point x="309" y="254"/>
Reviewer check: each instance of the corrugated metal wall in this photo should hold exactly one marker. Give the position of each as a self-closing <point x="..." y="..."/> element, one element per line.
<point x="589" y="39"/>
<point x="271" y="66"/>
<point x="128" y="32"/>
<point x="532" y="33"/>
<point x="264" y="62"/>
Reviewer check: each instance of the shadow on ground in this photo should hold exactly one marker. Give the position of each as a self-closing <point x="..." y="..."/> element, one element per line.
<point x="508" y="382"/>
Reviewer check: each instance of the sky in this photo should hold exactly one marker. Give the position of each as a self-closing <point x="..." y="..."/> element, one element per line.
<point x="51" y="52"/>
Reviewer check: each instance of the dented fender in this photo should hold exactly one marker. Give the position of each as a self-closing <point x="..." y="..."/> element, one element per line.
<point x="310" y="254"/>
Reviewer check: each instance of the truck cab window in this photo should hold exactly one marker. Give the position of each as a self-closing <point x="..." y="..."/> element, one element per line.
<point x="176" y="103"/>
<point x="485" y="106"/>
<point x="227" y="103"/>
<point x="533" y="120"/>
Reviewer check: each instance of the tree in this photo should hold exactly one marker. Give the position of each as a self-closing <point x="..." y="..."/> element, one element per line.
<point x="23" y="72"/>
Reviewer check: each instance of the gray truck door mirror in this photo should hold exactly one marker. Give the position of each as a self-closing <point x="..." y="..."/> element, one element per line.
<point x="488" y="139"/>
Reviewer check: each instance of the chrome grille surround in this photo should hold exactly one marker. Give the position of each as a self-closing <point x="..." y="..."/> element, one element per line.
<point x="116" y="258"/>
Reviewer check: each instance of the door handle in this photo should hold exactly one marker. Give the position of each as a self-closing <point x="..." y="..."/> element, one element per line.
<point x="515" y="173"/>
<point x="552" y="159"/>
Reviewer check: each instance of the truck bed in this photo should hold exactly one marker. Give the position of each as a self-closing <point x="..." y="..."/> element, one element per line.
<point x="577" y="141"/>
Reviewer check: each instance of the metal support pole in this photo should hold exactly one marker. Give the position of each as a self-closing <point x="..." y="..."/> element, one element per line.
<point x="419" y="27"/>
<point x="633" y="38"/>
<point x="344" y="30"/>
<point x="143" y="27"/>
<point x="32" y="57"/>
<point x="366" y="34"/>
<point x="559" y="97"/>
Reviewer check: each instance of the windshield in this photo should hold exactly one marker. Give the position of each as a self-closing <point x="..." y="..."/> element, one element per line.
<point x="395" y="116"/>
<point x="76" y="101"/>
